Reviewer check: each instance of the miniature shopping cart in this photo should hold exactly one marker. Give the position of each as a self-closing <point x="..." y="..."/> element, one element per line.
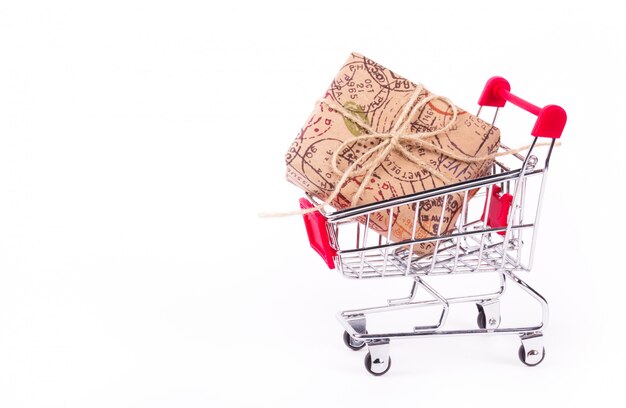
<point x="494" y="234"/>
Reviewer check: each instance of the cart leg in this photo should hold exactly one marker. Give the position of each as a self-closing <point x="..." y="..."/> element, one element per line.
<point x="377" y="360"/>
<point x="488" y="314"/>
<point x="439" y="298"/>
<point x="532" y="352"/>
<point x="545" y="315"/>
<point x="405" y="300"/>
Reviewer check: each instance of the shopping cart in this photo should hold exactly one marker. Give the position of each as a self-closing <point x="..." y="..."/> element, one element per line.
<point x="496" y="234"/>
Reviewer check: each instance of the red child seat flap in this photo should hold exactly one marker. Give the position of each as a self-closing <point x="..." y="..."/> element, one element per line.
<point x="499" y="207"/>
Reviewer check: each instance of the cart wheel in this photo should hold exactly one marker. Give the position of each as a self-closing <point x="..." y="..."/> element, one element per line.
<point x="368" y="365"/>
<point x="352" y="343"/>
<point x="481" y="319"/>
<point x="488" y="315"/>
<point x="530" y="359"/>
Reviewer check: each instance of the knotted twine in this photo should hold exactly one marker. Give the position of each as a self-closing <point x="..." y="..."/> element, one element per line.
<point x="397" y="140"/>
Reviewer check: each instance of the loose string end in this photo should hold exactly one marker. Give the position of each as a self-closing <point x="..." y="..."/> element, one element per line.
<point x="288" y="213"/>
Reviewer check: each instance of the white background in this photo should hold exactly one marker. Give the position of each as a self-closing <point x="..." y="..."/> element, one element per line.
<point x="138" y="141"/>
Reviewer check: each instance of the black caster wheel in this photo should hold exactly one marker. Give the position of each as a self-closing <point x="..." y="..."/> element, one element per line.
<point x="481" y="320"/>
<point x="524" y="358"/>
<point x="368" y="365"/>
<point x="351" y="343"/>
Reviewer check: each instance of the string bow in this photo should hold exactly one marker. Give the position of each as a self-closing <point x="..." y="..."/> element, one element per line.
<point x="396" y="139"/>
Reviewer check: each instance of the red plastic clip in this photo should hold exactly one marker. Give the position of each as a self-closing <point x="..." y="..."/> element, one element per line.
<point x="499" y="207"/>
<point x="317" y="230"/>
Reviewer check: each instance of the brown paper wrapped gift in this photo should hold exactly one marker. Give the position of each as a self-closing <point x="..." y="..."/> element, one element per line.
<point x="373" y="95"/>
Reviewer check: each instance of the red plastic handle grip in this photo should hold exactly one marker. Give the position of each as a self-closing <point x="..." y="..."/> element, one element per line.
<point x="551" y="119"/>
<point x="317" y="230"/>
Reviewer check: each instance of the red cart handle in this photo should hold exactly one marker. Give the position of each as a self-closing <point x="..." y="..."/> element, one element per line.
<point x="551" y="119"/>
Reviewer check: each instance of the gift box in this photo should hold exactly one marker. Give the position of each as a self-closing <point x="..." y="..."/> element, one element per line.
<point x="376" y="135"/>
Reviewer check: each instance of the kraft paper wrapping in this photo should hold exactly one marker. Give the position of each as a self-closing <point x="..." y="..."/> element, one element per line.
<point x="377" y="95"/>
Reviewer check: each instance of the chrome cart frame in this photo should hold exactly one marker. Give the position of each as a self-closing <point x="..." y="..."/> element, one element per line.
<point x="476" y="245"/>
